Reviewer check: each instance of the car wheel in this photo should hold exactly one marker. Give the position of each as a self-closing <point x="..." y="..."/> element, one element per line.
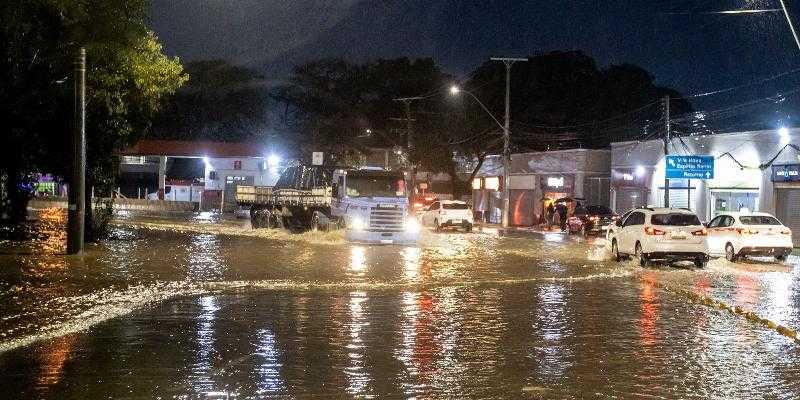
<point x="643" y="261"/>
<point x="615" y="251"/>
<point x="700" y="263"/>
<point x="781" y="257"/>
<point x="730" y="254"/>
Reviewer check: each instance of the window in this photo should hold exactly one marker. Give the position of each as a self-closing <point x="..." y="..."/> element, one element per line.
<point x="434" y="206"/>
<point x="759" y="220"/>
<point x="599" y="210"/>
<point x="716" y="222"/>
<point x="212" y="175"/>
<point x="455" y="206"/>
<point x="674" y="219"/>
<point x="636" y="218"/>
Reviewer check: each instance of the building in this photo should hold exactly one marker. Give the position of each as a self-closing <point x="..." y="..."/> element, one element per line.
<point x="580" y="174"/>
<point x="197" y="171"/>
<point x="755" y="170"/>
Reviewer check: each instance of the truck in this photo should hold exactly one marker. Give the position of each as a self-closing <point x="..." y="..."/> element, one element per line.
<point x="371" y="205"/>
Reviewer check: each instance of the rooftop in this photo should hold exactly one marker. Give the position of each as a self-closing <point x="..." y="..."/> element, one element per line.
<point x="198" y="149"/>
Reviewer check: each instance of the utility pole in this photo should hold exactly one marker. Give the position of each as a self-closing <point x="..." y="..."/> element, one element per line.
<point x="666" y="149"/>
<point x="507" y="135"/>
<point x="77" y="189"/>
<point x="409" y="143"/>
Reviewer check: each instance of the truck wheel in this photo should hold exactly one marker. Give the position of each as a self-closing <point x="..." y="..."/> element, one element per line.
<point x="317" y="225"/>
<point x="615" y="251"/>
<point x="700" y="263"/>
<point x="254" y="218"/>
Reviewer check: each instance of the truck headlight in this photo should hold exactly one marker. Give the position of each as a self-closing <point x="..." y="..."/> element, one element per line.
<point x="357" y="224"/>
<point x="412" y="225"/>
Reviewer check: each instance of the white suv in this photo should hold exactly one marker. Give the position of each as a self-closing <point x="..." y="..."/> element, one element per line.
<point x="448" y="213"/>
<point x="740" y="234"/>
<point x="660" y="234"/>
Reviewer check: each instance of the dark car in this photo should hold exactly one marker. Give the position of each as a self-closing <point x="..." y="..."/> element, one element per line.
<point x="593" y="219"/>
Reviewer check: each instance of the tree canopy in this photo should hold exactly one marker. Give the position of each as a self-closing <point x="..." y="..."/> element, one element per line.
<point x="128" y="77"/>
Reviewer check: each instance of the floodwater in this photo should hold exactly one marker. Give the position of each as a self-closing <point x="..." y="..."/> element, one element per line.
<point x="191" y="306"/>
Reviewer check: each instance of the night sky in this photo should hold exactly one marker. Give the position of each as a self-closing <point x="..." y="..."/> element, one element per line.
<point x="678" y="41"/>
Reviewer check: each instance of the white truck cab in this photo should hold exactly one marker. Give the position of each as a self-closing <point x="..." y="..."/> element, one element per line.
<point x="372" y="204"/>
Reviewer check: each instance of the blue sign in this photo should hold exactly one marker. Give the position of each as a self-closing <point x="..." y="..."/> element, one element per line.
<point x="786" y="173"/>
<point x="690" y="167"/>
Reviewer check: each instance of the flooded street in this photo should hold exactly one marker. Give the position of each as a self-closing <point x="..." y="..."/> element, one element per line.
<point x="190" y="306"/>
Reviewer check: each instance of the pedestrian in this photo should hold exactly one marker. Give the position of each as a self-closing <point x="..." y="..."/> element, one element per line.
<point x="561" y="209"/>
<point x="550" y="213"/>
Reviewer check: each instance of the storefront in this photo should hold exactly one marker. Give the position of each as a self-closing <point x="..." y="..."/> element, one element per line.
<point x="786" y="180"/>
<point x="580" y="174"/>
<point x="752" y="171"/>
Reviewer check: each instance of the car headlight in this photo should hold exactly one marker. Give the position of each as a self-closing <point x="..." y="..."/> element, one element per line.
<point x="356" y="223"/>
<point x="412" y="225"/>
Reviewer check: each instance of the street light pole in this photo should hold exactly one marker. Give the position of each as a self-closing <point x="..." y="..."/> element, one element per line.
<point x="507" y="135"/>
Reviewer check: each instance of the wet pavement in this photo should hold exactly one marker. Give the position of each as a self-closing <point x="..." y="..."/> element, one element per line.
<point x="191" y="306"/>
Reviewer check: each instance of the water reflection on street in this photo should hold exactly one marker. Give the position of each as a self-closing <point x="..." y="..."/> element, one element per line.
<point x="198" y="307"/>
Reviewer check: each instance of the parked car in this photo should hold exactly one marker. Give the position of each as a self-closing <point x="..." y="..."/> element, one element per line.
<point x="741" y="234"/>
<point x="594" y="219"/>
<point x="661" y="234"/>
<point x="448" y="214"/>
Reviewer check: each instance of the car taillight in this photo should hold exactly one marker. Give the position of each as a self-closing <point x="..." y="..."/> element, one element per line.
<point x="786" y="231"/>
<point x="701" y="232"/>
<point x="653" y="231"/>
<point x="746" y="231"/>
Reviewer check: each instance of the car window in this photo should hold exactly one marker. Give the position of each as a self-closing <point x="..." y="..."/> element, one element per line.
<point x="434" y="206"/>
<point x="598" y="210"/>
<point x="455" y="206"/>
<point x="636" y="218"/>
<point x="674" y="219"/>
<point x="716" y="222"/>
<point x="729" y="221"/>
<point x="759" y="220"/>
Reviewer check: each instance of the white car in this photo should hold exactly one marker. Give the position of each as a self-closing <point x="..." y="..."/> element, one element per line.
<point x="739" y="234"/>
<point x="660" y="234"/>
<point x="448" y="214"/>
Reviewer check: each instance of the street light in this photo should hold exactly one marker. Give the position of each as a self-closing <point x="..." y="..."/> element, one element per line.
<point x="455" y="90"/>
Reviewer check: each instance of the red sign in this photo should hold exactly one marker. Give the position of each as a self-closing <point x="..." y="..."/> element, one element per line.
<point x="237" y="164"/>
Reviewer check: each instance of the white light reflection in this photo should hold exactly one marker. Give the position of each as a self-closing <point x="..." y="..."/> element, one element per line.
<point x="357" y="375"/>
<point x="553" y="355"/>
<point x="358" y="260"/>
<point x="204" y="258"/>
<point x="411" y="258"/>
<point x="201" y="371"/>
<point x="268" y="370"/>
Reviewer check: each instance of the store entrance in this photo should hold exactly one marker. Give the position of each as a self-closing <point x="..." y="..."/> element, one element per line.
<point x="722" y="201"/>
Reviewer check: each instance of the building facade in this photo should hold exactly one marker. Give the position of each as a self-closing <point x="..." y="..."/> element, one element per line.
<point x="580" y="174"/>
<point x="755" y="170"/>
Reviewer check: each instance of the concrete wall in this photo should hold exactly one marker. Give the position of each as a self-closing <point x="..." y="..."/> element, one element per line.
<point x="262" y="174"/>
<point x="121" y="204"/>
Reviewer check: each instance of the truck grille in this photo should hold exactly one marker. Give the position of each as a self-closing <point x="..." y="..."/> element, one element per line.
<point x="383" y="219"/>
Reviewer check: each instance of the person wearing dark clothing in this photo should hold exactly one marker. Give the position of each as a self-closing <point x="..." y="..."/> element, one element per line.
<point x="561" y="208"/>
<point x="550" y="213"/>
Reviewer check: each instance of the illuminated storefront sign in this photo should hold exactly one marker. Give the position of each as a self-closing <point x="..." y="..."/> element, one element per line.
<point x="786" y="173"/>
<point x="492" y="183"/>
<point x="555" y="182"/>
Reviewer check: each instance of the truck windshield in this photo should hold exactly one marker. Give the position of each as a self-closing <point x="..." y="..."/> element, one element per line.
<point x="375" y="186"/>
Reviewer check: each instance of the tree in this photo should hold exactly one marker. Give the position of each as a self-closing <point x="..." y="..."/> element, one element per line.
<point x="128" y="77"/>
<point x="563" y="100"/>
<point x="219" y="102"/>
<point x="330" y="104"/>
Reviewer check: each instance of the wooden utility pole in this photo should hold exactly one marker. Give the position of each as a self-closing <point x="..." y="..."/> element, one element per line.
<point x="409" y="142"/>
<point x="666" y="149"/>
<point x="77" y="188"/>
<point x="507" y="136"/>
